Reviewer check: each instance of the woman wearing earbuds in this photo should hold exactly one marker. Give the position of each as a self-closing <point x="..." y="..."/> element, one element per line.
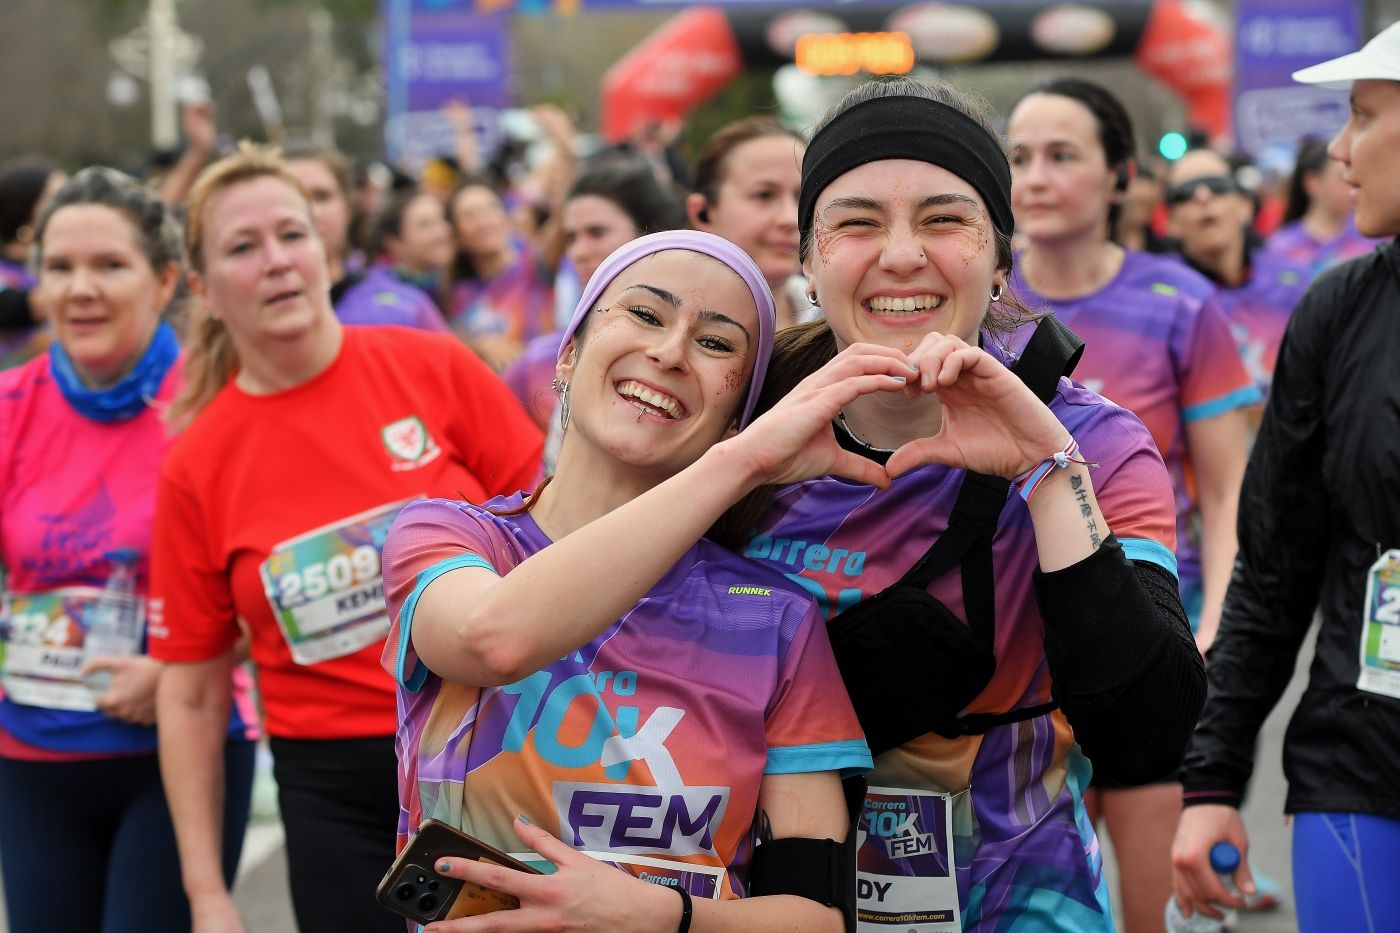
<point x="1157" y="344"/>
<point x="746" y="181"/>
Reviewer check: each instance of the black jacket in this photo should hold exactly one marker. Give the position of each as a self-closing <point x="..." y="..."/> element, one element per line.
<point x="1320" y="503"/>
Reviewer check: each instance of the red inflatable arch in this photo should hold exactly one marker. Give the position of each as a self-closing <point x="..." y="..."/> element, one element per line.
<point x="702" y="49"/>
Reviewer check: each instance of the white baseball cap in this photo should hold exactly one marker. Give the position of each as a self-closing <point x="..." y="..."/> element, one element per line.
<point x="1378" y="59"/>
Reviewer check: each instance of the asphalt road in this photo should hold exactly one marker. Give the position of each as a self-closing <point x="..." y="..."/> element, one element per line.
<point x="262" y="895"/>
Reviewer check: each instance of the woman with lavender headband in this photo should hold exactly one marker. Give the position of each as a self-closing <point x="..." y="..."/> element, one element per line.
<point x="583" y="663"/>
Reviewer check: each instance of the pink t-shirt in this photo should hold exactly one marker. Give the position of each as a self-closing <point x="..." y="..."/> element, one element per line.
<point x="71" y="490"/>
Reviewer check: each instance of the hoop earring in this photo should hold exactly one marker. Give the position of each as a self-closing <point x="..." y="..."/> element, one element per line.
<point x="812" y="299"/>
<point x="996" y="292"/>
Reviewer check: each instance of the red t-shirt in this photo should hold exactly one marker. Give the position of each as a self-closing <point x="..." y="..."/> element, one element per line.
<point x="273" y="509"/>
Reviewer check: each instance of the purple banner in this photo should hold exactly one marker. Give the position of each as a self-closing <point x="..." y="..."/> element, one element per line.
<point x="1273" y="39"/>
<point x="436" y="51"/>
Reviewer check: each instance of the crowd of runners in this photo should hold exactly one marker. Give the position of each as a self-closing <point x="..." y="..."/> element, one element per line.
<point x="837" y="531"/>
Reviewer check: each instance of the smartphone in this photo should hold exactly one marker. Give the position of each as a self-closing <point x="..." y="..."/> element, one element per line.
<point x="412" y="887"/>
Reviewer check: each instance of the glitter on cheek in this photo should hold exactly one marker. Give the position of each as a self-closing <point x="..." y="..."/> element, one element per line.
<point x="733" y="379"/>
<point x="973" y="249"/>
<point x="823" y="235"/>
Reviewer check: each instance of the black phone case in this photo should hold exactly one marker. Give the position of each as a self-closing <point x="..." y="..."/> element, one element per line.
<point x="412" y="888"/>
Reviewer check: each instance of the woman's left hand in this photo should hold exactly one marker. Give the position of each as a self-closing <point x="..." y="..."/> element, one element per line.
<point x="992" y="423"/>
<point x="131" y="697"/>
<point x="583" y="894"/>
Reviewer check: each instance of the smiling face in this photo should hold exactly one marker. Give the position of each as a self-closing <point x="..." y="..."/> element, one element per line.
<point x="593" y="228"/>
<point x="1366" y="147"/>
<point x="662" y="368"/>
<point x="901" y="249"/>
<point x="755" y="205"/>
<point x="263" y="269"/>
<point x="424" y="243"/>
<point x="1061" y="183"/>
<point x="1209" y="223"/>
<point x="103" y="297"/>
<point x="480" y="221"/>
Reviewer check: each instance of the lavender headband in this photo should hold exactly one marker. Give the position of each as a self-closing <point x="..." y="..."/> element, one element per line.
<point x="707" y="244"/>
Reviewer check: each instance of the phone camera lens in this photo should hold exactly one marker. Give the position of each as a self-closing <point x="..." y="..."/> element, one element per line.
<point x="405" y="892"/>
<point x="422" y="878"/>
<point x="433" y="885"/>
<point x="427" y="903"/>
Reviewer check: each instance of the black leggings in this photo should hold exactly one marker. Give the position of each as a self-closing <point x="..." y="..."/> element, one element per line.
<point x="87" y="846"/>
<point x="340" y="808"/>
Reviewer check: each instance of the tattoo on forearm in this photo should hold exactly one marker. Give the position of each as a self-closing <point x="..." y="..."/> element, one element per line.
<point x="1081" y="495"/>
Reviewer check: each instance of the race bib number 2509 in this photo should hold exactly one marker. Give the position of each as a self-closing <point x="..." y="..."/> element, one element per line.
<point x="326" y="587"/>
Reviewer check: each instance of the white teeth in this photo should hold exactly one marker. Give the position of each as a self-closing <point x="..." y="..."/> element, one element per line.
<point x="641" y="393"/>
<point x="888" y="304"/>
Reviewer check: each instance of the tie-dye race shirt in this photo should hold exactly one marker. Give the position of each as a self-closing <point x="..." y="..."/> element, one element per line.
<point x="1259" y="310"/>
<point x="649" y="741"/>
<point x="1027" y="858"/>
<point x="518" y="303"/>
<point x="1157" y="343"/>
<point x="1293" y="243"/>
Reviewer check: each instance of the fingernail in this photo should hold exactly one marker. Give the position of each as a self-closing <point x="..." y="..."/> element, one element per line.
<point x="913" y="367"/>
<point x="900" y="379"/>
<point x="444" y="866"/>
<point x="524" y="819"/>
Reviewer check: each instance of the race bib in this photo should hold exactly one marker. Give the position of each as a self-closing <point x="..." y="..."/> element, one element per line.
<point x="905" y="876"/>
<point x="41" y="648"/>
<point x="698" y="880"/>
<point x="326" y="587"/>
<point x="1380" y="628"/>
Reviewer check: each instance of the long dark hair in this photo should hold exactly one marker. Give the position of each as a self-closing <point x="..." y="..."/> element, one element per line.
<point x="462" y="268"/>
<point x="1312" y="160"/>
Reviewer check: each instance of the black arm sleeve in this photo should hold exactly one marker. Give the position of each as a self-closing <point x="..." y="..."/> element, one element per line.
<point x="15" y="312"/>
<point x="1285" y="513"/>
<point x="1124" y="666"/>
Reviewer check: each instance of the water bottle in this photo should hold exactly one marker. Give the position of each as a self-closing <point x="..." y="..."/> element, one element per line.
<point x="114" y="619"/>
<point x="1224" y="858"/>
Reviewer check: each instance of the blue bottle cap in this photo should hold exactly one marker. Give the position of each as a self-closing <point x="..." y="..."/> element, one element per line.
<point x="1224" y="858"/>
<point x="123" y="555"/>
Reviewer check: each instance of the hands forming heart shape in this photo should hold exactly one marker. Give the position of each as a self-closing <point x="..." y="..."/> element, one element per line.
<point x="989" y="421"/>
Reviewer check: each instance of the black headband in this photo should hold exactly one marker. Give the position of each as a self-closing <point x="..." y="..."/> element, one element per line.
<point x="906" y="127"/>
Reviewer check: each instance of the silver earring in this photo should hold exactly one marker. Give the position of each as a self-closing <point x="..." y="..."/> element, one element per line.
<point x="922" y="257"/>
<point x="996" y="292"/>
<point x="563" y="405"/>
<point x="556" y="385"/>
<point x="812" y="299"/>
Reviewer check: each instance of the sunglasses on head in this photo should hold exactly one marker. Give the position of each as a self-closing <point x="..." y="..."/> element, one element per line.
<point x="1215" y="184"/>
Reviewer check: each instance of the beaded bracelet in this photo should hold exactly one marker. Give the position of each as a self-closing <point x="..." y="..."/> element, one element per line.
<point x="1030" y="480"/>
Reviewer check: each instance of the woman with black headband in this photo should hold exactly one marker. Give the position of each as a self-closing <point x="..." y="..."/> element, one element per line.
<point x="1020" y="560"/>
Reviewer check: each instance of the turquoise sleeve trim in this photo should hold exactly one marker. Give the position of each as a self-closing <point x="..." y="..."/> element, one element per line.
<point x="1247" y="395"/>
<point x="851" y="758"/>
<point x="1154" y="552"/>
<point x="414" y="682"/>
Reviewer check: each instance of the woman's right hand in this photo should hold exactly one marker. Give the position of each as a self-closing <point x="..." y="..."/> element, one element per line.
<point x="794" y="440"/>
<point x="1198" y="887"/>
